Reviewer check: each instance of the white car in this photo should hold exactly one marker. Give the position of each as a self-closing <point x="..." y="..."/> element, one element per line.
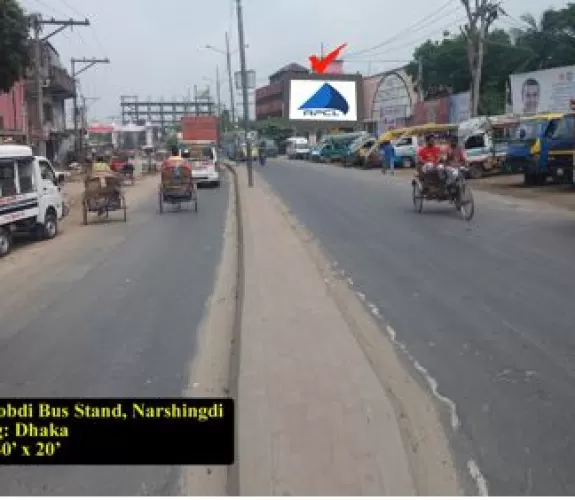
<point x="297" y="147"/>
<point x="30" y="198"/>
<point x="206" y="166"/>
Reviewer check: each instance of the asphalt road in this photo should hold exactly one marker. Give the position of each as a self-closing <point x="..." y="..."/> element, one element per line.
<point x="485" y="307"/>
<point x="114" y="316"/>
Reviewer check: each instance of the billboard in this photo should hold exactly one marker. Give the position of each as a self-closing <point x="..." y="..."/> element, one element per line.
<point x="548" y="90"/>
<point x="459" y="107"/>
<point x="321" y="98"/>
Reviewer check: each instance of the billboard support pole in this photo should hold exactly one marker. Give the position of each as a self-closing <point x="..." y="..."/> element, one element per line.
<point x="245" y="93"/>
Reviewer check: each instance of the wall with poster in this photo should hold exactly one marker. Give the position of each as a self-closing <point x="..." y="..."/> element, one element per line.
<point x="459" y="107"/>
<point x="434" y="111"/>
<point x="547" y="90"/>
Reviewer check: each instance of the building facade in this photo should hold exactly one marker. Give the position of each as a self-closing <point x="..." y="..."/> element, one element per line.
<point x="12" y="114"/>
<point x="270" y="99"/>
<point x="57" y="87"/>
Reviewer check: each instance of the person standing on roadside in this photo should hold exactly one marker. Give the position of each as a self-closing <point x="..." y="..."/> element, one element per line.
<point x="387" y="152"/>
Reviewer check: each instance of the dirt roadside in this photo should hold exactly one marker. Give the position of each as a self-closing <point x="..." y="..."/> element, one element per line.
<point x="561" y="196"/>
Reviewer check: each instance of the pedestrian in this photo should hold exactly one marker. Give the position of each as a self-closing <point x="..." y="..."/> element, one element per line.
<point x="387" y="153"/>
<point x="262" y="153"/>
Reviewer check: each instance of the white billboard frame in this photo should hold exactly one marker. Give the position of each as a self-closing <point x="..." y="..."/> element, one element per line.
<point x="543" y="91"/>
<point x="343" y="107"/>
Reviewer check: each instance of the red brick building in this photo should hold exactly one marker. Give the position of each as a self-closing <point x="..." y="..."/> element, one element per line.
<point x="270" y="98"/>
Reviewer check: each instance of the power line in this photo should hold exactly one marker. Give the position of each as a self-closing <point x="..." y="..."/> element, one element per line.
<point x="418" y="25"/>
<point x="421" y="39"/>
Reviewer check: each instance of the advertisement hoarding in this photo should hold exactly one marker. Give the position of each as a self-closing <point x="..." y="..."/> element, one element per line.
<point x="459" y="107"/>
<point x="548" y="90"/>
<point x="325" y="98"/>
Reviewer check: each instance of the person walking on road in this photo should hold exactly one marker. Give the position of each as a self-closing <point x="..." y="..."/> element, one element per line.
<point x="262" y="153"/>
<point x="387" y="152"/>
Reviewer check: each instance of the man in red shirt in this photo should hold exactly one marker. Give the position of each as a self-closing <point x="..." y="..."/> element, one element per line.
<point x="430" y="153"/>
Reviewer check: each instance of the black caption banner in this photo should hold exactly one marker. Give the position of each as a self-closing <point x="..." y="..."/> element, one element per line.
<point x="116" y="431"/>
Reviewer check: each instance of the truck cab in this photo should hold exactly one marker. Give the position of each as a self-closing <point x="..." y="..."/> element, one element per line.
<point x="525" y="149"/>
<point x="30" y="198"/>
<point x="554" y="158"/>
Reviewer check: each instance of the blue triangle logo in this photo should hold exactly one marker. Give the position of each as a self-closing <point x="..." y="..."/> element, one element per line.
<point x="326" y="97"/>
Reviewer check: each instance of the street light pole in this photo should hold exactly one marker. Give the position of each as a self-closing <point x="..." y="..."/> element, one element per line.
<point x="245" y="91"/>
<point x="218" y="90"/>
<point x="229" y="62"/>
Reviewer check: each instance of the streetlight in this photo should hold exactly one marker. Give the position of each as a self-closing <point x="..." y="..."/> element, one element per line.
<point x="228" y="55"/>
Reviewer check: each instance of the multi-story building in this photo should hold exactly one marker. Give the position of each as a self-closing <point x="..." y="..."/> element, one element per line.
<point x="270" y="99"/>
<point x="57" y="87"/>
<point x="12" y="114"/>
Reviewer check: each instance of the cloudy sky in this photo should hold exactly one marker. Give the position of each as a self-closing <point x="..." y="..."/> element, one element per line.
<point x="157" y="47"/>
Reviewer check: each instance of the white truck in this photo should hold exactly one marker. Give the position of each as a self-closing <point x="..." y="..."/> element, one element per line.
<point x="30" y="198"/>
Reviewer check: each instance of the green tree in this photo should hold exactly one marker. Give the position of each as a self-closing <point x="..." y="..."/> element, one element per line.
<point x="14" y="47"/>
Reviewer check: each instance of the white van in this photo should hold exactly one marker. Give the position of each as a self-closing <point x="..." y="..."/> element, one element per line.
<point x="205" y="162"/>
<point x="297" y="147"/>
<point x="30" y="198"/>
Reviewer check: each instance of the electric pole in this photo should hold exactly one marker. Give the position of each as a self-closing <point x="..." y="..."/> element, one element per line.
<point x="479" y="19"/>
<point x="218" y="91"/>
<point x="420" y="92"/>
<point x="88" y="62"/>
<point x="244" y="90"/>
<point x="37" y="23"/>
<point x="229" y="63"/>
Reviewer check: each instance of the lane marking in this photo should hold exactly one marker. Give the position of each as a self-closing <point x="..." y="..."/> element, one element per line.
<point x="472" y="467"/>
<point x="478" y="477"/>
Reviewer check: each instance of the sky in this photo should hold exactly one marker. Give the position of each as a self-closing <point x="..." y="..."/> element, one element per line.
<point x="158" y="48"/>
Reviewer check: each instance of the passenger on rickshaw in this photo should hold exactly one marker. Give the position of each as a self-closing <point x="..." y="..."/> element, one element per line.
<point x="100" y="166"/>
<point x="175" y="154"/>
<point x="456" y="155"/>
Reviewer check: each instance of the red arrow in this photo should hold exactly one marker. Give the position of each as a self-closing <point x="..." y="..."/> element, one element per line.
<point x="320" y="65"/>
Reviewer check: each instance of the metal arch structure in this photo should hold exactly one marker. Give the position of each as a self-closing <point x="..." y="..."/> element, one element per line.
<point x="164" y="114"/>
<point x="397" y="73"/>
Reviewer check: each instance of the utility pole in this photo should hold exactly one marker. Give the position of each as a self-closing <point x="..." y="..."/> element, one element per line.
<point x="89" y="62"/>
<point x="229" y="63"/>
<point x="37" y="23"/>
<point x="420" y="92"/>
<point x="245" y="90"/>
<point x="218" y="91"/>
<point x="480" y="18"/>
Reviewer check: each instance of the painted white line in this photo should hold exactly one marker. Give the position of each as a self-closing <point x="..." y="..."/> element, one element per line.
<point x="478" y="477"/>
<point x="431" y="382"/>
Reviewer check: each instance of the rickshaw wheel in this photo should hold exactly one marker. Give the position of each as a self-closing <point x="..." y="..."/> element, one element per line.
<point x="466" y="203"/>
<point x="160" y="202"/>
<point x="84" y="213"/>
<point x="417" y="198"/>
